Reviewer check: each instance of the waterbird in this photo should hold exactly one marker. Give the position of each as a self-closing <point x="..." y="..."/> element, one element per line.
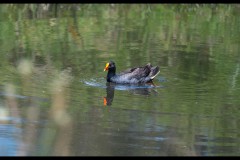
<point x="143" y="74"/>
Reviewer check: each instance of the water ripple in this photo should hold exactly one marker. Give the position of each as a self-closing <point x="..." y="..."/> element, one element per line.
<point x="101" y="83"/>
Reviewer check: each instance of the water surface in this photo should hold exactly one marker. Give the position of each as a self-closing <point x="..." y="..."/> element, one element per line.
<point x="54" y="99"/>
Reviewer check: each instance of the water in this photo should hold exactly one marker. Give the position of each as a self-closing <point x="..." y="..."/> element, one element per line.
<point x="54" y="99"/>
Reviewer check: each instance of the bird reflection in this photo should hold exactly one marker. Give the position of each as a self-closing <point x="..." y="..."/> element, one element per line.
<point x="110" y="94"/>
<point x="140" y="89"/>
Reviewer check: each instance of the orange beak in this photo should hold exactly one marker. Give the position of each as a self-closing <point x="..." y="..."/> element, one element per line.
<point x="106" y="67"/>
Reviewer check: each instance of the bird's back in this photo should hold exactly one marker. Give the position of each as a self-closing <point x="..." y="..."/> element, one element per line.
<point x="141" y="74"/>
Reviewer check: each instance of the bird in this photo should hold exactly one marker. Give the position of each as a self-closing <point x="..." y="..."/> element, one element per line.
<point x="136" y="75"/>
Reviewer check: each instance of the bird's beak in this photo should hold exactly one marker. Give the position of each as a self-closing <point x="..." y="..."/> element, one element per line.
<point x="106" y="67"/>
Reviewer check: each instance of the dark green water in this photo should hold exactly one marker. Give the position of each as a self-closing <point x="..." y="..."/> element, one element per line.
<point x="52" y="83"/>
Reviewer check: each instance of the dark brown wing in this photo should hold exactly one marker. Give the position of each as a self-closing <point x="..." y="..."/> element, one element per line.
<point x="137" y="72"/>
<point x="127" y="71"/>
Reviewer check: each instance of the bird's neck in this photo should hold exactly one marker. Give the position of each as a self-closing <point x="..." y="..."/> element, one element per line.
<point x="110" y="74"/>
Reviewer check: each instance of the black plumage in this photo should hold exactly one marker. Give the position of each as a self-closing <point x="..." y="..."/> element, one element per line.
<point x="142" y="74"/>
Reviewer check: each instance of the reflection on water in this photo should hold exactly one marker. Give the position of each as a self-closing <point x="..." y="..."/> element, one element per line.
<point x="9" y="142"/>
<point x="137" y="89"/>
<point x="52" y="89"/>
<point x="110" y="94"/>
<point x="141" y="89"/>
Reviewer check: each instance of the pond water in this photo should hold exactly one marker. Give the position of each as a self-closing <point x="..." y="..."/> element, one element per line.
<point x="55" y="101"/>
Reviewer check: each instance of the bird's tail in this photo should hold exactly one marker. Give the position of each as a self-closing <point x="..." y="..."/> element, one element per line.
<point x="154" y="72"/>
